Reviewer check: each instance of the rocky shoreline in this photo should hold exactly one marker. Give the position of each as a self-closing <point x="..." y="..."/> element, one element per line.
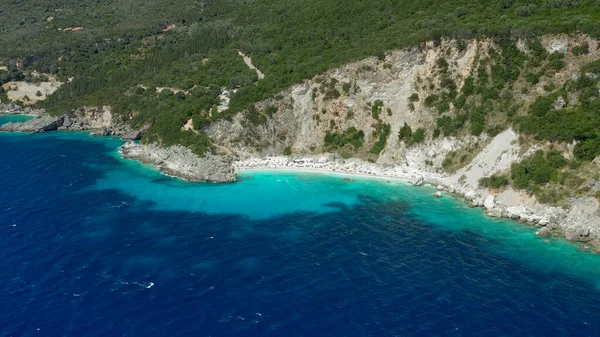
<point x="576" y="223"/>
<point x="179" y="161"/>
<point x="175" y="161"/>
<point x="98" y="121"/>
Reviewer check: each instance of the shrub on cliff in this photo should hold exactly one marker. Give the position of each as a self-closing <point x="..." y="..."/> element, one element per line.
<point x="336" y="140"/>
<point x="494" y="182"/>
<point x="536" y="170"/>
<point x="382" y="133"/>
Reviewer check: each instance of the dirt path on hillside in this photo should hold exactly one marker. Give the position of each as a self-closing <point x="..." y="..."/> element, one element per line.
<point x="248" y="62"/>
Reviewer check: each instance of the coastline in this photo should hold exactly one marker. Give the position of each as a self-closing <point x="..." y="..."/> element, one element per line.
<point x="551" y="221"/>
<point x="580" y="222"/>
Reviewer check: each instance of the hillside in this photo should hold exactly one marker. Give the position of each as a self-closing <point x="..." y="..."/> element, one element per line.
<point x="497" y="95"/>
<point x="112" y="49"/>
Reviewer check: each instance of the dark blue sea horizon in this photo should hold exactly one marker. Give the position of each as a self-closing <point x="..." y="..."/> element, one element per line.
<point x="91" y="245"/>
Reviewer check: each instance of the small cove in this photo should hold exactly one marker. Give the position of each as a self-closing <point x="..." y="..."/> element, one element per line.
<point x="93" y="238"/>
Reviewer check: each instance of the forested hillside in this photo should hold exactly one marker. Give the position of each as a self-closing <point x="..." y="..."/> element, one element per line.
<point x="118" y="52"/>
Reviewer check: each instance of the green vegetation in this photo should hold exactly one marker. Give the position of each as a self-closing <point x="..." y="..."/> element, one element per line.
<point x="537" y="170"/>
<point x="409" y="137"/>
<point x="254" y="117"/>
<point x="287" y="151"/>
<point x="11" y="74"/>
<point x="336" y="140"/>
<point x="330" y="91"/>
<point x="583" y="49"/>
<point x="382" y="132"/>
<point x="568" y="123"/>
<point x="376" y="109"/>
<point x="494" y="182"/>
<point x="123" y="45"/>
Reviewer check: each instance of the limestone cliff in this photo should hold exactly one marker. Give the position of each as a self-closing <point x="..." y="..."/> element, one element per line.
<point x="399" y="91"/>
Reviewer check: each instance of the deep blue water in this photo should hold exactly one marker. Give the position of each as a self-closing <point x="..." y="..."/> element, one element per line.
<point x="91" y="245"/>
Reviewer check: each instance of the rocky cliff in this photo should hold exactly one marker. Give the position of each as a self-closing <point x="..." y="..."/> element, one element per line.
<point x="373" y="110"/>
<point x="181" y="162"/>
<point x="443" y="112"/>
<point x="176" y="160"/>
<point x="97" y="120"/>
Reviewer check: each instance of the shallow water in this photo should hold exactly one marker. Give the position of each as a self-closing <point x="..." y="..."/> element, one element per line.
<point x="14" y="118"/>
<point x="91" y="245"/>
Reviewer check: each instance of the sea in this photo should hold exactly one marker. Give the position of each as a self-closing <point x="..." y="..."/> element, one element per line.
<point x="93" y="245"/>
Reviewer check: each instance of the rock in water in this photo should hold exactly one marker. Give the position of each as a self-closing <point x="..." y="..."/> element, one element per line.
<point x="544" y="232"/>
<point x="179" y="161"/>
<point x="580" y="234"/>
<point x="418" y="181"/>
<point x="437" y="194"/>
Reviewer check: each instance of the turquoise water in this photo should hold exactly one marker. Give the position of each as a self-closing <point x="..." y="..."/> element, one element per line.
<point x="14" y="119"/>
<point x="94" y="245"/>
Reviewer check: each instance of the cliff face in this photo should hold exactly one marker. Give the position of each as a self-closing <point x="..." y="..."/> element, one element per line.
<point x="379" y="98"/>
<point x="447" y="111"/>
<point x="98" y="120"/>
<point x="345" y="97"/>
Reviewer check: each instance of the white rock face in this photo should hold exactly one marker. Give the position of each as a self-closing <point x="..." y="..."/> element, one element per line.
<point x="489" y="202"/>
<point x="497" y="156"/>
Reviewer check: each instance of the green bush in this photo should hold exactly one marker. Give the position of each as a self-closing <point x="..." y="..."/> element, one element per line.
<point x="254" y="117"/>
<point x="536" y="170"/>
<point x="430" y="100"/>
<point x="287" y="151"/>
<point x="271" y="110"/>
<point x="583" y="49"/>
<point x="414" y="97"/>
<point x="336" y="140"/>
<point x="477" y="121"/>
<point x="556" y="61"/>
<point x="418" y="136"/>
<point x="405" y="133"/>
<point x="588" y="149"/>
<point x="468" y="87"/>
<point x="382" y="133"/>
<point x="495" y="182"/>
<point x="346" y="87"/>
<point x="376" y="108"/>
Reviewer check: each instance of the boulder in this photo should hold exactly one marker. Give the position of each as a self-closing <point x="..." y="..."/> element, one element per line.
<point x="437" y="194"/>
<point x="560" y="103"/>
<point x="489" y="202"/>
<point x="544" y="232"/>
<point x="494" y="213"/>
<point x="579" y="234"/>
<point x="418" y="181"/>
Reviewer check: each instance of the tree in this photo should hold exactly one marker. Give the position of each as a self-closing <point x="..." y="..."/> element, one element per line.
<point x="405" y="134"/>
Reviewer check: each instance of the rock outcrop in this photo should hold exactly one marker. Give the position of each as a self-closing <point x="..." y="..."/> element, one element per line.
<point x="14" y="109"/>
<point x="101" y="122"/>
<point x="98" y="120"/>
<point x="40" y="124"/>
<point x="179" y="161"/>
